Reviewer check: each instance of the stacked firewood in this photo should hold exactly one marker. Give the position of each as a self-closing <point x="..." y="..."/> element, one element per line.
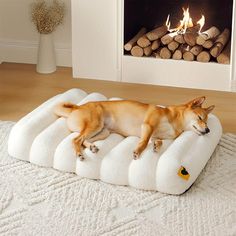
<point x="211" y="45"/>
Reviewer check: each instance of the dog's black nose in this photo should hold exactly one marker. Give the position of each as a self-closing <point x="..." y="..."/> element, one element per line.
<point x="207" y="130"/>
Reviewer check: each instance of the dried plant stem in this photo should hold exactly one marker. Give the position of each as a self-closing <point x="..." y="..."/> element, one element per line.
<point x="47" y="17"/>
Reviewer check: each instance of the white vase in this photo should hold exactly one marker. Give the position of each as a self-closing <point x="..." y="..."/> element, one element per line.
<point x="46" y="55"/>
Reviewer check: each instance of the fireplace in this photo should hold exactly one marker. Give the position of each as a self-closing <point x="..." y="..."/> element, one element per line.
<point x="101" y="28"/>
<point x="201" y="34"/>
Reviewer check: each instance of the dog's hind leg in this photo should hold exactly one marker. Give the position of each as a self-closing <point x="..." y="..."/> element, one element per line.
<point x="88" y="143"/>
<point x="146" y="134"/>
<point x="157" y="143"/>
<point x="86" y="133"/>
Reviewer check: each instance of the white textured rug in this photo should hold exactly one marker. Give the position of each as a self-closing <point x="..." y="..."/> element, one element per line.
<point x="40" y="201"/>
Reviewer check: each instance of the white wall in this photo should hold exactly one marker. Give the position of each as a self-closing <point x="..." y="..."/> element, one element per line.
<point x="19" y="38"/>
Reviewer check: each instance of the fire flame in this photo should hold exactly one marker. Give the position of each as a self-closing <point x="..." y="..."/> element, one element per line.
<point x="168" y="22"/>
<point x="185" y="23"/>
<point x="201" y="22"/>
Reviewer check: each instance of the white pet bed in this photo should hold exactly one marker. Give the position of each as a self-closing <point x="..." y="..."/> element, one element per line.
<point x="44" y="139"/>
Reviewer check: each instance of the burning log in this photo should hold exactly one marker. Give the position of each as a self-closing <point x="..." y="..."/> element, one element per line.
<point x="155" y="44"/>
<point x="173" y="46"/>
<point x="220" y="43"/>
<point x="190" y="39"/>
<point x="166" y="39"/>
<point x="165" y="53"/>
<point x="224" y="57"/>
<point x="211" y="33"/>
<point x="191" y="34"/>
<point x="143" y="42"/>
<point x="196" y="50"/>
<point x="128" y="46"/>
<point x="179" y="39"/>
<point x="204" y="56"/>
<point x="137" y="51"/>
<point x="157" y="33"/>
<point x="147" y="51"/>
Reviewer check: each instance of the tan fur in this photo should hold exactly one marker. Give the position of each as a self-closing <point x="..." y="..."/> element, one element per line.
<point x="96" y="120"/>
<point x="64" y="109"/>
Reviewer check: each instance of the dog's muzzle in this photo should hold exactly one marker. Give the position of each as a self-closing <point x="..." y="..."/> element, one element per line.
<point x="206" y="131"/>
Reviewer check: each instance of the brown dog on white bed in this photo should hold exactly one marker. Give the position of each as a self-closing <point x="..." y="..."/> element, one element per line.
<point x="96" y="120"/>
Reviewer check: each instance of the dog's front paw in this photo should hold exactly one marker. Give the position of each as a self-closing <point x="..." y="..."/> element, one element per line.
<point x="136" y="155"/>
<point x="93" y="148"/>
<point x="80" y="156"/>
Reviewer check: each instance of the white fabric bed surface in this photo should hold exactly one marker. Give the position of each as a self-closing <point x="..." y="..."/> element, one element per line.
<point x="44" y="139"/>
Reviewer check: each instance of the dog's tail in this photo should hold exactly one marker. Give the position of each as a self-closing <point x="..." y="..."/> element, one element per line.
<point x="64" y="109"/>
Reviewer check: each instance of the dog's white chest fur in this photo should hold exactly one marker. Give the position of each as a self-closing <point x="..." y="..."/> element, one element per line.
<point x="165" y="130"/>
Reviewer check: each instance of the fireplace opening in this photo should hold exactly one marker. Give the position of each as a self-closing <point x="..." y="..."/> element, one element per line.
<point x="195" y="30"/>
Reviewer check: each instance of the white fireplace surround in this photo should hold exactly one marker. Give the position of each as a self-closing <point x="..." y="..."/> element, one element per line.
<point x="97" y="53"/>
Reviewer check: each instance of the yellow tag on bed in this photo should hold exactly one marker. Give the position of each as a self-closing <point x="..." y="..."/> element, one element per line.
<point x="183" y="173"/>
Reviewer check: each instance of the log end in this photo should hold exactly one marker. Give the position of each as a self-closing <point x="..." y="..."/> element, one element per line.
<point x="137" y="51"/>
<point x="204" y="56"/>
<point x="165" y="53"/>
<point x="188" y="56"/>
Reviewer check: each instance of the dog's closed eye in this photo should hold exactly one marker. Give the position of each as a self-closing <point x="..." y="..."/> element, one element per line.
<point x="199" y="117"/>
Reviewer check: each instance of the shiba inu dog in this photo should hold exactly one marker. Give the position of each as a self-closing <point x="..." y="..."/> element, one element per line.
<point x="96" y="120"/>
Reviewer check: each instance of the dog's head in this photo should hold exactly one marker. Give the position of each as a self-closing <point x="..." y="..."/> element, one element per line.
<point x="195" y="116"/>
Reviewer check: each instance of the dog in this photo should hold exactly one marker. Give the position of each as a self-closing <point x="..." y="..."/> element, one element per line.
<point x="96" y="120"/>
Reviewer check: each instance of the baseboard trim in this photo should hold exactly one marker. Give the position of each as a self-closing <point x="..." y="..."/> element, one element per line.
<point x="233" y="85"/>
<point x="26" y="52"/>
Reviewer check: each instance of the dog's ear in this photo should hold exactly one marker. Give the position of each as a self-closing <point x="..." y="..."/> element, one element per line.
<point x="209" y="109"/>
<point x="197" y="102"/>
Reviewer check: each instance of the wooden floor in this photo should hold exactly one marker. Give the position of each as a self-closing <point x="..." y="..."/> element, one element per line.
<point x="22" y="90"/>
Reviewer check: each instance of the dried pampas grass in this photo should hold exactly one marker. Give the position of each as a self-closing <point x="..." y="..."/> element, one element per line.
<point x="47" y="17"/>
